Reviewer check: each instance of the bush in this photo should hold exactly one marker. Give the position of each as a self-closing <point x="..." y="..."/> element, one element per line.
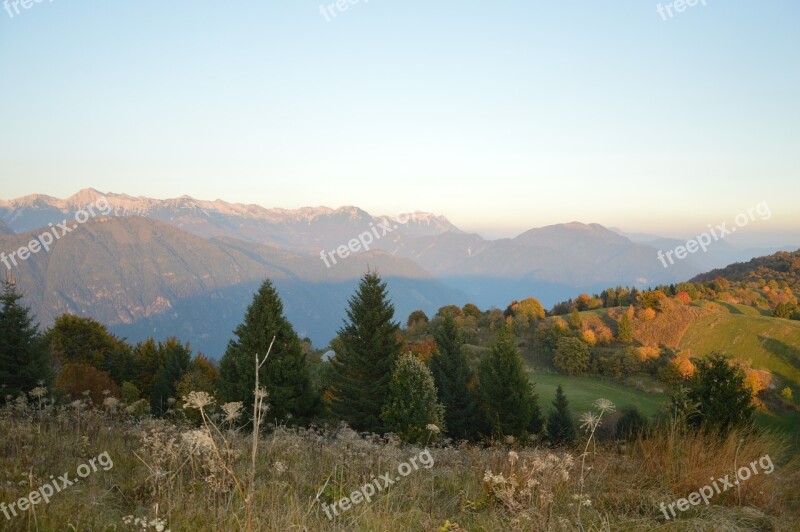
<point x="631" y="424"/>
<point x="412" y="405"/>
<point x="77" y="379"/>
<point x="572" y="356"/>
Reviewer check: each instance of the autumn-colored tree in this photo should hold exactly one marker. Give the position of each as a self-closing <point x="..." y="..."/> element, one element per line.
<point x="683" y="298"/>
<point x="683" y="363"/>
<point x="651" y="299"/>
<point x="423" y="350"/>
<point x="454" y="310"/>
<point x="589" y="337"/>
<point x="75" y="379"/>
<point x="528" y="307"/>
<point x="757" y="380"/>
<point x="587" y="302"/>
<point x="646" y="314"/>
<point x="416" y="317"/>
<point x="471" y="310"/>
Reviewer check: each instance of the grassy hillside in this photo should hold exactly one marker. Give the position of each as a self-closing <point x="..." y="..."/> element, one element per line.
<point x="583" y="391"/>
<point x="770" y="343"/>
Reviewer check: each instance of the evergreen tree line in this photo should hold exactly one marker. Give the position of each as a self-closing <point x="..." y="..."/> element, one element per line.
<point x="370" y="383"/>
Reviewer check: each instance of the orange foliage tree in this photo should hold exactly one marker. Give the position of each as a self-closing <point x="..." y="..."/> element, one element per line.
<point x="75" y="379"/>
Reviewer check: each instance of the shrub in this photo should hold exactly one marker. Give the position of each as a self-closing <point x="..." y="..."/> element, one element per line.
<point x="572" y="356"/>
<point x="631" y="424"/>
<point x="412" y="405"/>
<point x="76" y="379"/>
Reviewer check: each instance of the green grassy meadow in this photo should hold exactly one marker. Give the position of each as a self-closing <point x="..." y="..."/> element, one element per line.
<point x="583" y="391"/>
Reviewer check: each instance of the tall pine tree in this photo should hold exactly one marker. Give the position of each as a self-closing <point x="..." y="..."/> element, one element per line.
<point x="452" y="376"/>
<point x="507" y="396"/>
<point x="285" y="374"/>
<point x="560" y="426"/>
<point x="369" y="346"/>
<point x="24" y="355"/>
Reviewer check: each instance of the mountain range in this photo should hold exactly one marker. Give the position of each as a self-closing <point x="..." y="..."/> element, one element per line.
<point x="188" y="268"/>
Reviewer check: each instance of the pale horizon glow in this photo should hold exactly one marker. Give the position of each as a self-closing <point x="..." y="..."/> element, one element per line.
<point x="501" y="117"/>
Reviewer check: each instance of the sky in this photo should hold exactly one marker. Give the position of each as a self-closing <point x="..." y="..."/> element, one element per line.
<point x="500" y="115"/>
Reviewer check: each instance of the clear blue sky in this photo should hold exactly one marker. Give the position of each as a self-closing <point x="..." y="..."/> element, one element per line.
<point x="501" y="115"/>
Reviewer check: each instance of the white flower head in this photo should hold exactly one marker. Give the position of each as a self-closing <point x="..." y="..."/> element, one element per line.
<point x="232" y="410"/>
<point x="604" y="405"/>
<point x="589" y="421"/>
<point x="198" y="400"/>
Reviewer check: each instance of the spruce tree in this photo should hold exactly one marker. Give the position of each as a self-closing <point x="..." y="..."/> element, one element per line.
<point x="285" y="375"/>
<point x="507" y="396"/>
<point x="560" y="426"/>
<point x="412" y="404"/>
<point x="724" y="400"/>
<point x="452" y="376"/>
<point x="369" y="347"/>
<point x="24" y="355"/>
<point x="176" y="360"/>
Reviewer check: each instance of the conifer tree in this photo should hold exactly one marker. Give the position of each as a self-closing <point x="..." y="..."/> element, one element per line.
<point x="24" y="355"/>
<point x="560" y="426"/>
<point x="718" y="388"/>
<point x="285" y="375"/>
<point x="625" y="329"/>
<point x="369" y="347"/>
<point x="412" y="404"/>
<point x="452" y="376"/>
<point x="507" y="396"/>
<point x="176" y="360"/>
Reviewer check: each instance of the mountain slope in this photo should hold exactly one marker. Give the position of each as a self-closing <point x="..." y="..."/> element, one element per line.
<point x="781" y="267"/>
<point x="143" y="277"/>
<point x="306" y="230"/>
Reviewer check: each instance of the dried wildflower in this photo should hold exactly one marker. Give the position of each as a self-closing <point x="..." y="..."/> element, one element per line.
<point x="280" y="467"/>
<point x="232" y="410"/>
<point x="198" y="400"/>
<point x="589" y="421"/>
<point x="261" y="393"/>
<point x="433" y="428"/>
<point x="38" y="392"/>
<point x="111" y="403"/>
<point x="512" y="457"/>
<point x="198" y="440"/>
<point x="510" y="439"/>
<point x="604" y="405"/>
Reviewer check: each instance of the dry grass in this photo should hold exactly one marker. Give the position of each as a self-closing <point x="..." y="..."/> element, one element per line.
<point x="168" y="470"/>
